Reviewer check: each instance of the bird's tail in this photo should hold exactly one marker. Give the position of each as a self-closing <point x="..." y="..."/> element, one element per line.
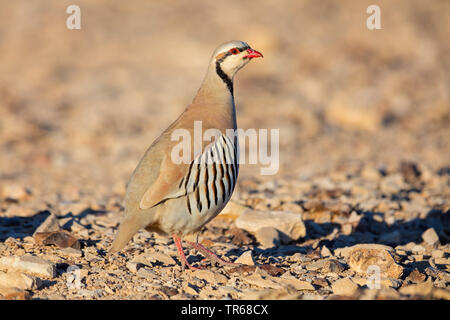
<point x="127" y="229"/>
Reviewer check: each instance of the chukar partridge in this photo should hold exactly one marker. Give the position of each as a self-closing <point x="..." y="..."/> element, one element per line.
<point x="177" y="199"/>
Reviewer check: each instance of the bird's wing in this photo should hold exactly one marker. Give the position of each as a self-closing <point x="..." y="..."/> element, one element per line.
<point x="176" y="180"/>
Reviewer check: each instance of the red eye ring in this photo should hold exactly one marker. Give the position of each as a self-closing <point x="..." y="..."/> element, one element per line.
<point x="234" y="51"/>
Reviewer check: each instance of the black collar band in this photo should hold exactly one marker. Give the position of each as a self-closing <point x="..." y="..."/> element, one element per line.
<point x="224" y="77"/>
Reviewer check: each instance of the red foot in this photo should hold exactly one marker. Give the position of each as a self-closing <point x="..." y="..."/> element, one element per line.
<point x="183" y="259"/>
<point x="210" y="255"/>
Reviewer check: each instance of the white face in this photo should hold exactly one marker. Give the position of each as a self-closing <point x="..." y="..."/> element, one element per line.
<point x="232" y="56"/>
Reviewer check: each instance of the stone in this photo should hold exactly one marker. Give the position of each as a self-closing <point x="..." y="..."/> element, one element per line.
<point x="430" y="237"/>
<point x="437" y="254"/>
<point x="344" y="287"/>
<point x="420" y="289"/>
<point x="268" y="294"/>
<point x="354" y="217"/>
<point x="443" y="261"/>
<point x="9" y="293"/>
<point x="261" y="280"/>
<point x="156" y="256"/>
<point x="61" y="239"/>
<point x="291" y="207"/>
<point x="14" y="192"/>
<point x="246" y="258"/>
<point x="268" y="237"/>
<point x="361" y="257"/>
<point x="295" y="283"/>
<point x="410" y="171"/>
<point x="210" y="276"/>
<point x="239" y="237"/>
<point x="50" y="224"/>
<point x="19" y="280"/>
<point x="29" y="264"/>
<point x="146" y="273"/>
<point x="416" y="276"/>
<point x="72" y="252"/>
<point x="133" y="266"/>
<point x="392" y="184"/>
<point x="232" y="211"/>
<point x="19" y="211"/>
<point x="191" y="289"/>
<point x="418" y="249"/>
<point x="316" y="265"/>
<point x="325" y="252"/>
<point x="291" y="224"/>
<point x="347" y="229"/>
<point x="370" y="173"/>
<point x="333" y="266"/>
<point x="320" y="282"/>
<point x="75" y="226"/>
<point x="345" y="252"/>
<point x="441" y="294"/>
<point x="267" y="268"/>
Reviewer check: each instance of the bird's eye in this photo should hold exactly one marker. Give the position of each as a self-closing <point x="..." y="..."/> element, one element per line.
<point x="234" y="51"/>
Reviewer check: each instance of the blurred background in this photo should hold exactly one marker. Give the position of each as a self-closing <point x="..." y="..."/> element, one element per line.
<point x="78" y="108"/>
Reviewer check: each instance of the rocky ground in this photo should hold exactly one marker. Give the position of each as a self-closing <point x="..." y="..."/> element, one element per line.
<point x="363" y="186"/>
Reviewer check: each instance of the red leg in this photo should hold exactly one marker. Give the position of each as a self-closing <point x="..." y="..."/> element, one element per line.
<point x="209" y="254"/>
<point x="183" y="259"/>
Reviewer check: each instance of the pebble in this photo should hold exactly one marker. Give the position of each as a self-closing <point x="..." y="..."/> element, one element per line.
<point x="146" y="273"/>
<point x="49" y="224"/>
<point x="190" y="288"/>
<point x="392" y="184"/>
<point x="362" y="257"/>
<point x="325" y="252"/>
<point x="268" y="237"/>
<point x="289" y="223"/>
<point x="133" y="266"/>
<point x="9" y="293"/>
<point x="437" y="254"/>
<point x="261" y="280"/>
<point x="30" y="264"/>
<point x="347" y="229"/>
<point x="421" y="289"/>
<point x="210" y="276"/>
<point x="61" y="239"/>
<point x="156" y="256"/>
<point x="14" y="192"/>
<point x="71" y="252"/>
<point x="418" y="249"/>
<point x="246" y="258"/>
<point x="430" y="237"/>
<point x="19" y="280"/>
<point x="295" y="283"/>
<point x="345" y="287"/>
<point x="232" y="211"/>
<point x="416" y="276"/>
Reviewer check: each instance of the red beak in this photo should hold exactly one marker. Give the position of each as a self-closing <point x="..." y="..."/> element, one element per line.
<point x="253" y="54"/>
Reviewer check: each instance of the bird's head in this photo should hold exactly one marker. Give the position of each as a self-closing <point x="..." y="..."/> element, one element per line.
<point x="229" y="57"/>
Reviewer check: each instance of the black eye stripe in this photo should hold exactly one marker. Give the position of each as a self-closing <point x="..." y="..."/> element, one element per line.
<point x="228" y="53"/>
